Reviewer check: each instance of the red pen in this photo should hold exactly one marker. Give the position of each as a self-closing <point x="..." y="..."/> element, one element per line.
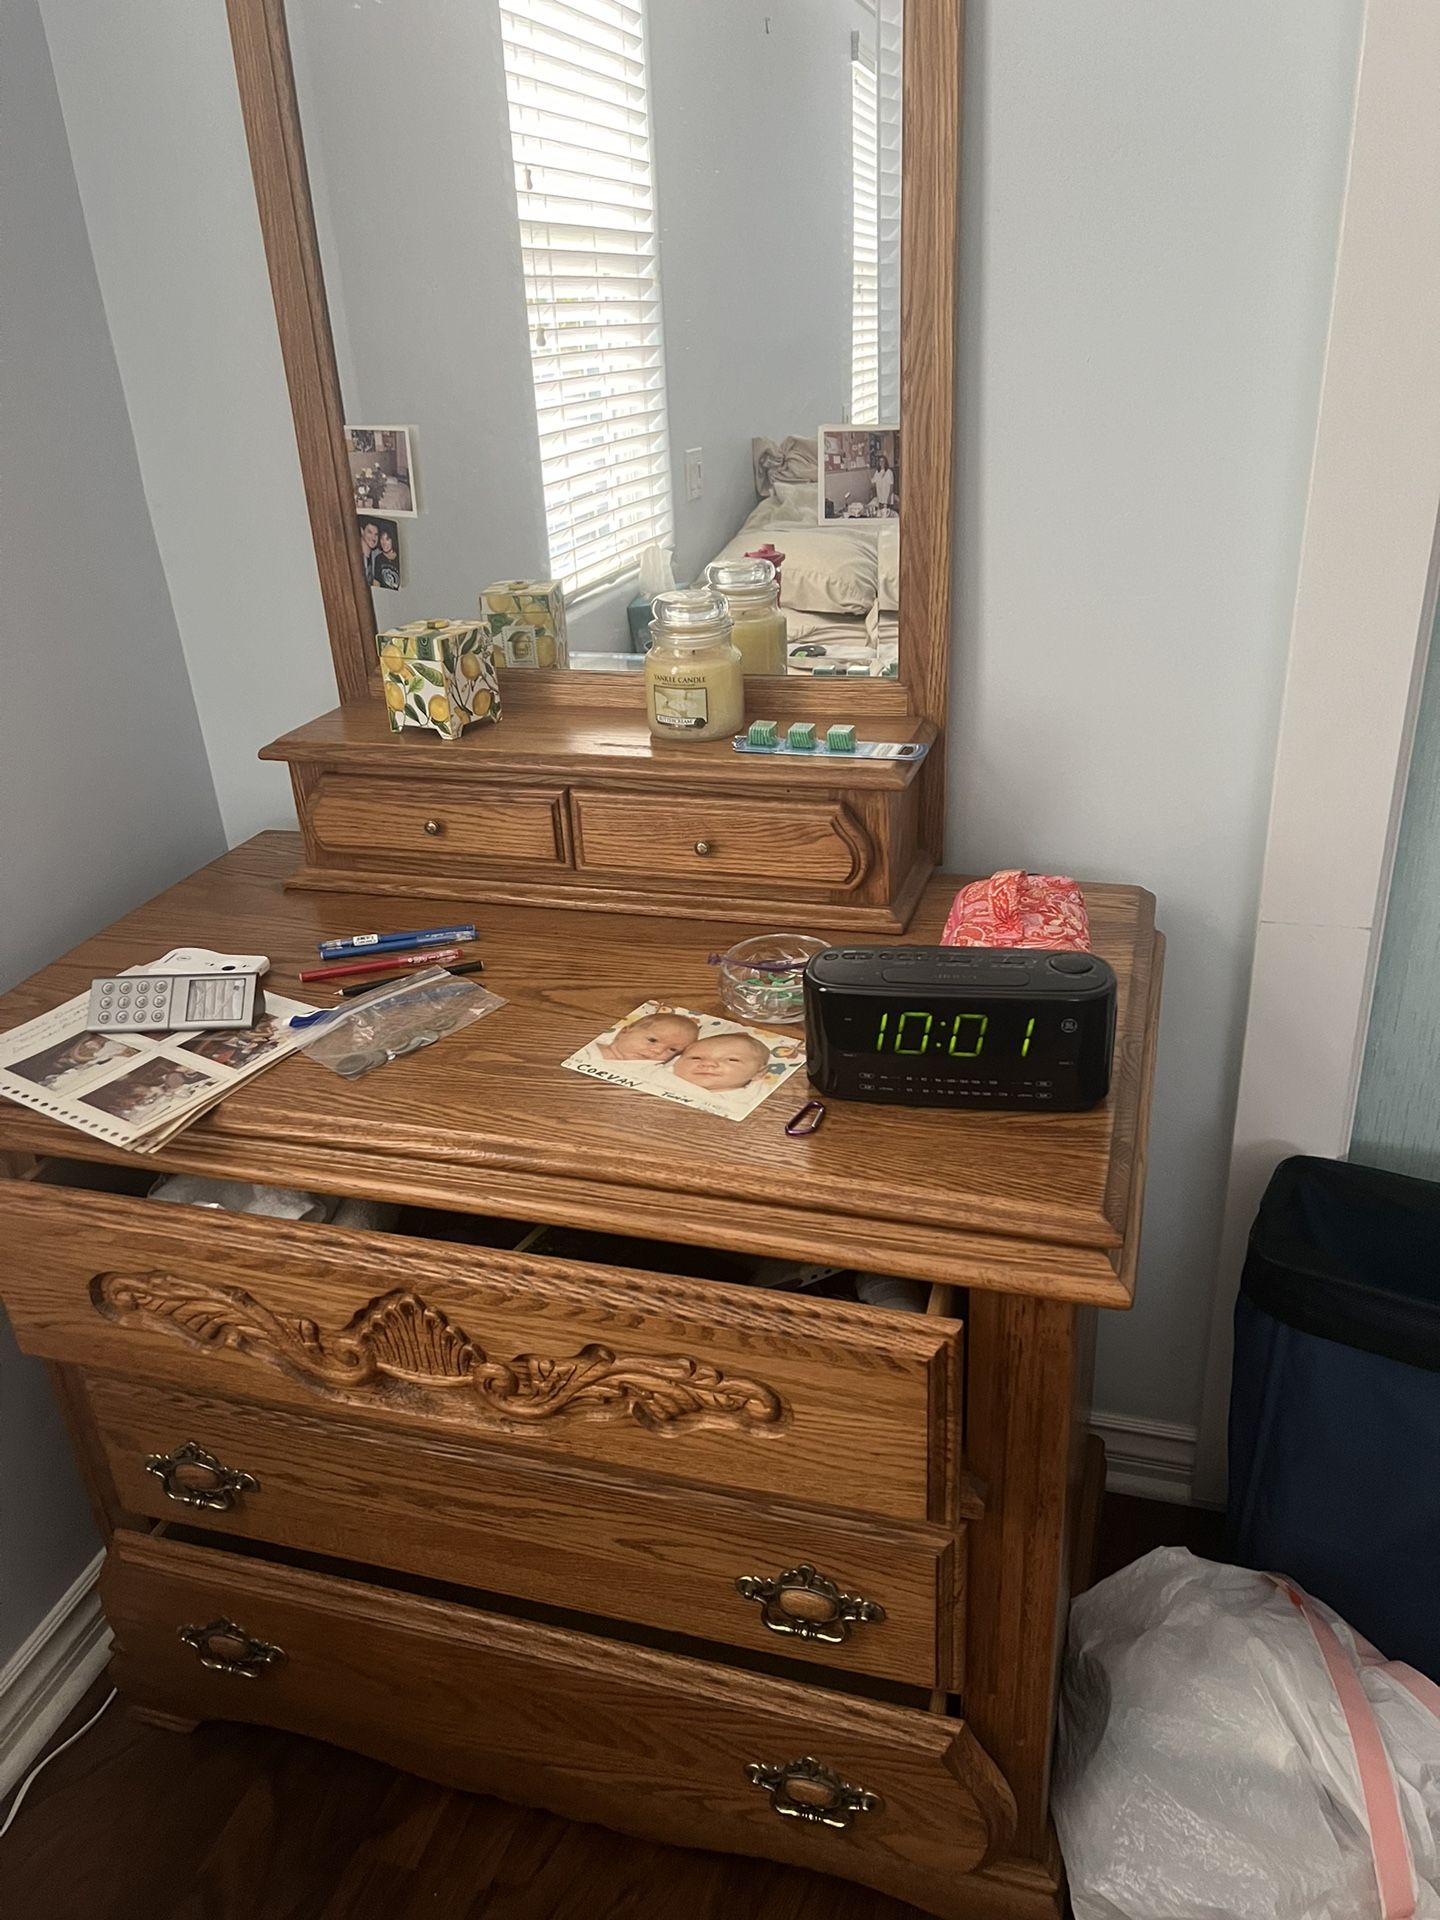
<point x="432" y="957"/>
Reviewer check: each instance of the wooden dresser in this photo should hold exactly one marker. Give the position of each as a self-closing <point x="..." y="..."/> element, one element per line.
<point x="721" y="1566"/>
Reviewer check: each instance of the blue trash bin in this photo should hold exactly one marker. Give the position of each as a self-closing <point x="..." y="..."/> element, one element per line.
<point x="1335" y="1399"/>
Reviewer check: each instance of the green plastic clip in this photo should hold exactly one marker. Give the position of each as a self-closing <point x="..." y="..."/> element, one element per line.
<point x="840" y="740"/>
<point x="762" y="733"/>
<point x="801" y="736"/>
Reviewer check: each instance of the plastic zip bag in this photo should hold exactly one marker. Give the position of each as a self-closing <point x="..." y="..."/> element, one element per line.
<point x="382" y="1026"/>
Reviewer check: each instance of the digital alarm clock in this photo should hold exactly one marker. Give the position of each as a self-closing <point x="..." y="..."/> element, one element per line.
<point x="961" y="1026"/>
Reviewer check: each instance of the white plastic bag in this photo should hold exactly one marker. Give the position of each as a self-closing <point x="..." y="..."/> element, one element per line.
<point x="1230" y="1750"/>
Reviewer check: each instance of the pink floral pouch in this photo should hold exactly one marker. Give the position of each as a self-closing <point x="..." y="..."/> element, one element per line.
<point x="1017" y="909"/>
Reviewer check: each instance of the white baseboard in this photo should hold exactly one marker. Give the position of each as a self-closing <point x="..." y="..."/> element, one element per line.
<point x="1150" y="1458"/>
<point x="49" y="1674"/>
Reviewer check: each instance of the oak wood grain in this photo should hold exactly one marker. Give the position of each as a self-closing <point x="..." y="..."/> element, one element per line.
<point x="246" y="1823"/>
<point x="643" y="1550"/>
<point x="472" y="825"/>
<point x="1027" y="1399"/>
<point x="791" y="696"/>
<point x="725" y="1386"/>
<point x="929" y="215"/>
<point x="781" y="840"/>
<point x="89" y="1450"/>
<point x="705" y="839"/>
<point x="490" y="1121"/>
<point x="568" y="744"/>
<point x="263" y="71"/>
<point x="644" y="1741"/>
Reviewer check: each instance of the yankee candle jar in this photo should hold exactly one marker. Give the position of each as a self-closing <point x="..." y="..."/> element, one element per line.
<point x="751" y="591"/>
<point x="694" y="681"/>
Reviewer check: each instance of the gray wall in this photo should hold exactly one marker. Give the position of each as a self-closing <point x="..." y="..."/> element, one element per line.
<point x="153" y="117"/>
<point x="1151" y="211"/>
<point x="752" y="155"/>
<point x="1150" y="208"/>
<point x="408" y="144"/>
<point x="104" y="789"/>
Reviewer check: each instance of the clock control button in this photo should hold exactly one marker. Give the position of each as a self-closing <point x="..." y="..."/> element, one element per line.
<point x="1071" y="963"/>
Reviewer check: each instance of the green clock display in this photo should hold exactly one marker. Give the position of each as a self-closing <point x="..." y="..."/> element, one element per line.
<point x="959" y="1036"/>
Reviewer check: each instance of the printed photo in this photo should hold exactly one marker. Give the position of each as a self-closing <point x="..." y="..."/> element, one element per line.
<point x="148" y="1092"/>
<point x="696" y="1059"/>
<point x="859" y="473"/>
<point x="69" y="1060"/>
<point x="380" y="470"/>
<point x="238" y="1046"/>
<point x="380" y="551"/>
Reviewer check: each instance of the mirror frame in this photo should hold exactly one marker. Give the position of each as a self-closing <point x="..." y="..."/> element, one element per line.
<point x="929" y="220"/>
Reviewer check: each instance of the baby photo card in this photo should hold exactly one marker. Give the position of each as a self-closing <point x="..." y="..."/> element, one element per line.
<point x="699" y="1060"/>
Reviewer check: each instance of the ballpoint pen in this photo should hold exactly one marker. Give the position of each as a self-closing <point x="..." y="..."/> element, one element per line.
<point x="429" y="958"/>
<point x="361" y="944"/>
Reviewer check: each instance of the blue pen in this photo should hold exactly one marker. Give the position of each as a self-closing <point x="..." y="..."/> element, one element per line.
<point x="394" y="942"/>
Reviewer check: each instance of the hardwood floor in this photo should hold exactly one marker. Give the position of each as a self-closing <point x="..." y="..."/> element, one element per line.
<point x="237" y="1823"/>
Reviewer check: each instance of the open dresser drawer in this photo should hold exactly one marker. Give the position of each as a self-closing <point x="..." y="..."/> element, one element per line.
<point x="677" y="1750"/>
<point x="637" y="1550"/>
<point x="735" y="1388"/>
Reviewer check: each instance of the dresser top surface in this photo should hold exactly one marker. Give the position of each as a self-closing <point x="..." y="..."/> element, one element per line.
<point x="488" y="1120"/>
<point x="570" y="744"/>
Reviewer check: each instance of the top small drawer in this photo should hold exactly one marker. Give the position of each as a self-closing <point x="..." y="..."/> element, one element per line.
<point x="449" y="823"/>
<point x="703" y="837"/>
<point x="732" y="1387"/>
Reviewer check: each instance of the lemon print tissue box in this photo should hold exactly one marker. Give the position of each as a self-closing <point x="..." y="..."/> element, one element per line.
<point x="439" y="674"/>
<point x="526" y="621"/>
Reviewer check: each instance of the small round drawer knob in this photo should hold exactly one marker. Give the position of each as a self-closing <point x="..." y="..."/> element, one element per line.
<point x="194" y="1478"/>
<point x="805" y="1605"/>
<point x="225" y="1647"/>
<point x="435" y="828"/>
<point x="703" y="848"/>
<point x="804" y="1790"/>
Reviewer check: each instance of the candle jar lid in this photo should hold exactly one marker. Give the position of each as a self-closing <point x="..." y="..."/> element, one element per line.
<point x="744" y="583"/>
<point x="689" y="617"/>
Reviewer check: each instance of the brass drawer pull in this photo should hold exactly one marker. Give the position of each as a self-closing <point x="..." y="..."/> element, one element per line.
<point x="704" y="847"/>
<point x="194" y="1478"/>
<point x="224" y="1647"/>
<point x="434" y="827"/>
<point x="804" y="1790"/>
<point x="804" y="1604"/>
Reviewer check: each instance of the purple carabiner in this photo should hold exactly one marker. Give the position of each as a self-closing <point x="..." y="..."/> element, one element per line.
<point x="807" y="1121"/>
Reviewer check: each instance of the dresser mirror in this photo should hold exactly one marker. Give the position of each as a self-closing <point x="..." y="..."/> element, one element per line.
<point x="615" y="263"/>
<point x="562" y="280"/>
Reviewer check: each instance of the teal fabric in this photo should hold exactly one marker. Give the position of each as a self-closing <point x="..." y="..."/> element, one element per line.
<point x="1397" y="1115"/>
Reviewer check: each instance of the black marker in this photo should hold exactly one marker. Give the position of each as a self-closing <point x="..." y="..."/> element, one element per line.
<point x="390" y="980"/>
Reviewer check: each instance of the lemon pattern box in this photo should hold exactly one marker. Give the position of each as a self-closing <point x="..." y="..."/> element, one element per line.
<point x="439" y="674"/>
<point x="526" y="619"/>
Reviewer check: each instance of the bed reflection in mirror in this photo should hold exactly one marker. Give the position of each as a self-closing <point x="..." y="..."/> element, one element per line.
<point x="609" y="276"/>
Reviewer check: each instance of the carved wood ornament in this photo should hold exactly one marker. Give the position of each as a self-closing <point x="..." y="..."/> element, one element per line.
<point x="397" y="1338"/>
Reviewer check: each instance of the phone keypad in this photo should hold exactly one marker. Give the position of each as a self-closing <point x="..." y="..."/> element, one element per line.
<point x="136" y="1005"/>
<point x="159" y="1003"/>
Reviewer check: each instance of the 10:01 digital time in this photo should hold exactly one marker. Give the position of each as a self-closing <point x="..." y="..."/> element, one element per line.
<point x="961" y="1037"/>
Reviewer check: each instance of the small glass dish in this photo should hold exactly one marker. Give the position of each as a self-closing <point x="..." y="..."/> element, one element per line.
<point x="763" y="978"/>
